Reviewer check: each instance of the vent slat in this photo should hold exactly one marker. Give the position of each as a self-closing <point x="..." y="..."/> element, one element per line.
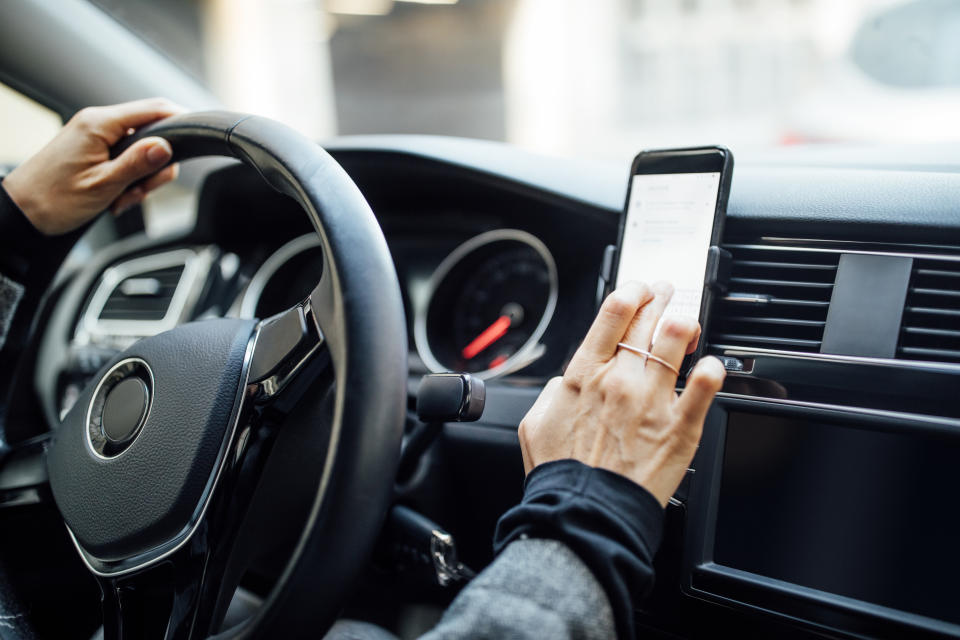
<point x="920" y="291"/>
<point x="143" y="308"/>
<point x="792" y="322"/>
<point x="778" y="299"/>
<point x="930" y="329"/>
<point x="952" y="355"/>
<point x="933" y="311"/>
<point x="767" y="340"/>
<point x="938" y="273"/>
<point x="783" y="265"/>
<point x="926" y="331"/>
<point x="781" y="283"/>
<point x="731" y="299"/>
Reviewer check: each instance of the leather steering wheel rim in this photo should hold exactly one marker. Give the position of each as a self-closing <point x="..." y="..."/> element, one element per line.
<point x="365" y="331"/>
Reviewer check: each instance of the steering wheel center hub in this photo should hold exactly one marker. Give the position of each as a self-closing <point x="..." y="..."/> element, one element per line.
<point x="119" y="407"/>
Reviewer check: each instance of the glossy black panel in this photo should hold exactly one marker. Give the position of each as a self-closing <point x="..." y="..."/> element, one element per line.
<point x="889" y="385"/>
<point x="851" y="511"/>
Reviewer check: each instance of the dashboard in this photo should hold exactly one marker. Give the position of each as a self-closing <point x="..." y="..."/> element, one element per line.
<point x="820" y="501"/>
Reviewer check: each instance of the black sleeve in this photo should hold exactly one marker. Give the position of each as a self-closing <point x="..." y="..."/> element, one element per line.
<point x="19" y="240"/>
<point x="612" y="523"/>
<point x="28" y="262"/>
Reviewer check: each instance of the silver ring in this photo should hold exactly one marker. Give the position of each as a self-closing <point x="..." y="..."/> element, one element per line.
<point x="648" y="356"/>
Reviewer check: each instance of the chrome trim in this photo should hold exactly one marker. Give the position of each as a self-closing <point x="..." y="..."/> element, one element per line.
<point x="222" y="457"/>
<point x="931" y="365"/>
<point x="880" y="413"/>
<point x="251" y="295"/>
<point x="96" y="399"/>
<point x="750" y="299"/>
<point x="525" y="354"/>
<point x="196" y="264"/>
<point x="895" y="254"/>
<point x="823" y="241"/>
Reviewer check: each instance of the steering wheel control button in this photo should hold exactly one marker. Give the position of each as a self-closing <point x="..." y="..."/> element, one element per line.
<point x="119" y="407"/>
<point x="124" y="409"/>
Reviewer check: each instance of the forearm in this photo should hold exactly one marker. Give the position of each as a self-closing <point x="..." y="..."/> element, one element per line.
<point x="534" y="589"/>
<point x="575" y="558"/>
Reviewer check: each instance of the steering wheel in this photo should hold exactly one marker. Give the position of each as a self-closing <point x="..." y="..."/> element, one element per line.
<point x="176" y="462"/>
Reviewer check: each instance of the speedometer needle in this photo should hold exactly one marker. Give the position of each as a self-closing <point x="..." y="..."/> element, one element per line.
<point x="489" y="335"/>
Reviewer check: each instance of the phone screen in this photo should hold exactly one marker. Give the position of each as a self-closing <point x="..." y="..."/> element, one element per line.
<point x="667" y="234"/>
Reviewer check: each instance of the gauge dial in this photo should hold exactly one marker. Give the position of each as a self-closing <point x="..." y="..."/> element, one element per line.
<point x="488" y="304"/>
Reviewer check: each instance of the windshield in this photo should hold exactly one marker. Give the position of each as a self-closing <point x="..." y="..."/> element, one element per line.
<point x="588" y="78"/>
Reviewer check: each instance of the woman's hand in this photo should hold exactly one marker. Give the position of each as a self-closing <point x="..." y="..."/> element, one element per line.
<point x="73" y="178"/>
<point x="616" y="410"/>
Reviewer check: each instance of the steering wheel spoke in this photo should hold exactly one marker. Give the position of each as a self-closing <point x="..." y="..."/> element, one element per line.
<point x="23" y="474"/>
<point x="286" y="345"/>
<point x="162" y="602"/>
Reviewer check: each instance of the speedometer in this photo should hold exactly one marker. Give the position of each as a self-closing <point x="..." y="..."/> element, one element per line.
<point x="487" y="305"/>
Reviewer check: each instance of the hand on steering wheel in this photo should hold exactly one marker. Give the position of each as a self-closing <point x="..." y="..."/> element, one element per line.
<point x="617" y="410"/>
<point x="73" y="177"/>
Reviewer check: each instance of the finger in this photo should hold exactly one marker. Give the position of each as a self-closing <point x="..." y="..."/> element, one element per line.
<point x="136" y="195"/>
<point x="160" y="178"/>
<point x="119" y="118"/>
<point x="142" y="159"/>
<point x="127" y="199"/>
<point x="703" y="383"/>
<point x="615" y="315"/>
<point x="693" y="343"/>
<point x="534" y="418"/>
<point x="671" y="345"/>
<point x="640" y="333"/>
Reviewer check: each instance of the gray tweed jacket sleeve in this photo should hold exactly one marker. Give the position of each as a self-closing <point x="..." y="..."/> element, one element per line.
<point x="10" y="294"/>
<point x="534" y="589"/>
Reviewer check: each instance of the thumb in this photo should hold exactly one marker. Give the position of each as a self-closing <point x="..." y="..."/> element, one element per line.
<point x="142" y="159"/>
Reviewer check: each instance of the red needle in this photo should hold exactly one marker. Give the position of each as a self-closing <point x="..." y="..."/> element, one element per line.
<point x="489" y="335"/>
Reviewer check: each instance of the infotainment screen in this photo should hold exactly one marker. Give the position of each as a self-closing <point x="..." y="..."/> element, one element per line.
<point x="867" y="514"/>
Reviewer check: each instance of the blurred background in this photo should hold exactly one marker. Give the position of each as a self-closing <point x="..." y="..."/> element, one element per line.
<point x="588" y="78"/>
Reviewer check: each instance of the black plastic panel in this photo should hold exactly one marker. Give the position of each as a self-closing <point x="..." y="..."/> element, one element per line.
<point x="840" y="520"/>
<point x="851" y="511"/>
<point x="866" y="306"/>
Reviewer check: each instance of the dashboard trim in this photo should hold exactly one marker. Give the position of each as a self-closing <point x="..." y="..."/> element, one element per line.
<point x="937" y="421"/>
<point x="896" y="254"/>
<point x="927" y="365"/>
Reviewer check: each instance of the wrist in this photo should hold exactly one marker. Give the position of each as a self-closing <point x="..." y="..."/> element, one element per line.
<point x="26" y="201"/>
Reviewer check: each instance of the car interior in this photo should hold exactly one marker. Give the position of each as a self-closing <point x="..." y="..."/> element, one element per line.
<point x="821" y="501"/>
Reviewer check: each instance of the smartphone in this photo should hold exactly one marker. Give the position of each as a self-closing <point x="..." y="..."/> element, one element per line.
<point x="676" y="205"/>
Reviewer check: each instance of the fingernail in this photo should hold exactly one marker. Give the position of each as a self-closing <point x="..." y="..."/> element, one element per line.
<point x="159" y="152"/>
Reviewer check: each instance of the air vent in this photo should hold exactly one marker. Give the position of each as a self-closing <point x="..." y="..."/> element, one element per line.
<point x="144" y="296"/>
<point x="931" y="317"/>
<point x="778" y="299"/>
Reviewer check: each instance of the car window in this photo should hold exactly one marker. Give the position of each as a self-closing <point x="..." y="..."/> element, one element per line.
<point x="584" y="78"/>
<point x="25" y="126"/>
